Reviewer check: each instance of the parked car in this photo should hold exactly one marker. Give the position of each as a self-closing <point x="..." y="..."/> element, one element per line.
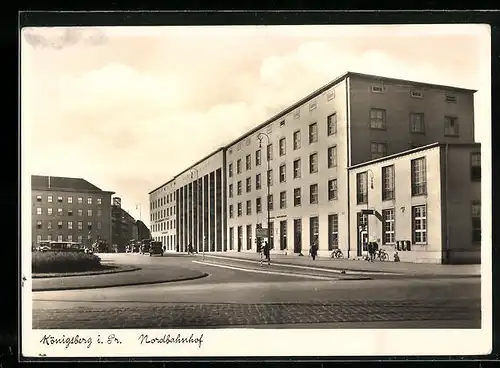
<point x="43" y="248"/>
<point x="155" y="248"/>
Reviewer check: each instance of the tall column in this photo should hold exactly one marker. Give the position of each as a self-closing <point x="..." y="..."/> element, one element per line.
<point x="185" y="216"/>
<point x="215" y="210"/>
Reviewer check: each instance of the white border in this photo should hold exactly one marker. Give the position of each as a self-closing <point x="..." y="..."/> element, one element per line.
<point x="248" y="342"/>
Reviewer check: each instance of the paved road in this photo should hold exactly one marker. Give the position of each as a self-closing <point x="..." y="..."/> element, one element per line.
<point x="239" y="294"/>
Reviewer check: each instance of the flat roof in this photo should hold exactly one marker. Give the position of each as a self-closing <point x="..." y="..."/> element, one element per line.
<point x="413" y="150"/>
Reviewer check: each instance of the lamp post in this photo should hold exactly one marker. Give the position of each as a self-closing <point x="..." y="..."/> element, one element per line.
<point x="193" y="171"/>
<point x="260" y="137"/>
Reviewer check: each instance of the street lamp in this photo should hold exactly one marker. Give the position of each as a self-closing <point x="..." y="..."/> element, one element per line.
<point x="260" y="137"/>
<point x="193" y="171"/>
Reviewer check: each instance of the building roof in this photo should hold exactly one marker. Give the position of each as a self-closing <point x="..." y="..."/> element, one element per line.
<point x="63" y="183"/>
<point x="413" y="150"/>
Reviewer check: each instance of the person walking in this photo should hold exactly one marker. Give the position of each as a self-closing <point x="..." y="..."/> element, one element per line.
<point x="267" y="252"/>
<point x="314" y="249"/>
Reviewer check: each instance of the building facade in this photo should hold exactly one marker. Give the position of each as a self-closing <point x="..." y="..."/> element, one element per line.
<point x="292" y="172"/>
<point x="162" y="206"/>
<point x="424" y="204"/>
<point x="69" y="209"/>
<point x="123" y="225"/>
<point x="142" y="231"/>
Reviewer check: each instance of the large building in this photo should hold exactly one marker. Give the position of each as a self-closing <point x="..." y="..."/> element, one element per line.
<point x="69" y="209"/>
<point x="142" y="231"/>
<point x="124" y="227"/>
<point x="305" y="155"/>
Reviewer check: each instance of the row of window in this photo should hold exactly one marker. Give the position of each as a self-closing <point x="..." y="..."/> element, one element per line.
<point x="418" y="179"/>
<point x="313" y="138"/>
<point x="69" y="199"/>
<point x="167" y="240"/>
<point x="161" y="201"/>
<point x="59" y="238"/>
<point x="163" y="226"/>
<point x="450" y="98"/>
<point x="297" y="199"/>
<point x="417" y="122"/>
<point x="161" y="214"/>
<point x="69" y="212"/>
<point x="69" y="225"/>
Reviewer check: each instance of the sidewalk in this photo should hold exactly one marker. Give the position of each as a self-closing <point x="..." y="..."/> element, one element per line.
<point x="142" y="276"/>
<point x="416" y="269"/>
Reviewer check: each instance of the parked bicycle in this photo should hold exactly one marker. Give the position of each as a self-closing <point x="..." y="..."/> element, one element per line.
<point x="382" y="255"/>
<point x="337" y="253"/>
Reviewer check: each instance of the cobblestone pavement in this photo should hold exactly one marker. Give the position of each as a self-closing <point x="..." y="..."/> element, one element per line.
<point x="183" y="315"/>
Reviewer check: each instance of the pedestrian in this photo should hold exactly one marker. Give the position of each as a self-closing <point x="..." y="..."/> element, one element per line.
<point x="375" y="249"/>
<point x="314" y="249"/>
<point x="369" y="247"/>
<point x="267" y="252"/>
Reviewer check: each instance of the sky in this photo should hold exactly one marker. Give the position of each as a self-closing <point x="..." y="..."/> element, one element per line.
<point x="129" y="108"/>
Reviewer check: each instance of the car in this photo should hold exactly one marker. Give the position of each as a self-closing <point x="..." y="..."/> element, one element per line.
<point x="88" y="251"/>
<point x="43" y="248"/>
<point x="156" y="248"/>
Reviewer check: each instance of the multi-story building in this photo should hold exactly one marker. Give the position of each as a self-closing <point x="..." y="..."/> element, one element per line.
<point x="124" y="227"/>
<point x="303" y="156"/>
<point x="69" y="209"/>
<point x="142" y="231"/>
<point x="197" y="207"/>
<point x="424" y="203"/>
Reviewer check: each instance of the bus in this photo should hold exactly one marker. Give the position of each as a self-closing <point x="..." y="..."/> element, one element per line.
<point x="65" y="246"/>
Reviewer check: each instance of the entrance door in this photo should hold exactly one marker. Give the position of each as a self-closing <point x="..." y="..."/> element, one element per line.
<point x="240" y="237"/>
<point x="283" y="244"/>
<point x="297" y="235"/>
<point x="362" y="234"/>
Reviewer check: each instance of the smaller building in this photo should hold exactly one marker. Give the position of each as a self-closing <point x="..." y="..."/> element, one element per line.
<point x="424" y="204"/>
<point x="124" y="227"/>
<point x="142" y="231"/>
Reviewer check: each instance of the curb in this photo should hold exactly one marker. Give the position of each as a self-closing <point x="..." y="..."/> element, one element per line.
<point x="393" y="273"/>
<point x="121" y="285"/>
<point x="119" y="269"/>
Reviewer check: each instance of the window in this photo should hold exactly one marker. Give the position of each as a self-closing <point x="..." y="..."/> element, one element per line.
<point x="38" y="198"/>
<point x="270" y="202"/>
<point x="476" y="221"/>
<point x="99" y="200"/>
<point x="49" y="225"/>
<point x="282" y="147"/>
<point x="282" y="123"/>
<point x="70" y="200"/>
<point x="313" y="132"/>
<point x="416" y="94"/>
<point x="258" y="182"/>
<point x="314" y="230"/>
<point x="388" y="226"/>
<point x="80" y="239"/>
<point x="239" y="209"/>
<point x="451" y="128"/>
<point x="238" y="188"/>
<point x="296" y="114"/>
<point x="388" y="183"/>
<point x="249" y="237"/>
<point x="49" y="211"/>
<point x="417" y="124"/>
<point x="89" y="213"/>
<point x="362" y="187"/>
<point x="378" y="149"/>
<point x="59" y="212"/>
<point x="238" y="166"/>
<point x="248" y="162"/>
<point x="258" y="205"/>
<point x="418" y="177"/>
<point x="230" y="190"/>
<point x="89" y="200"/>
<point x="249" y="185"/>
<point x="333" y="231"/>
<point x="332" y="157"/>
<point x="258" y="157"/>
<point x="296" y="140"/>
<point x="230" y="170"/>
<point x="249" y="208"/>
<point x="313" y="193"/>
<point x="332" y="189"/>
<point x="313" y="105"/>
<point x="450" y="98"/>
<point x="89" y="225"/>
<point x="80" y="212"/>
<point x="377" y="89"/>
<point x="313" y="163"/>
<point x="297" y="197"/>
<point x="282" y="200"/>
<point x="80" y="200"/>
<point x="70" y="238"/>
<point x="70" y="225"/>
<point x="39" y="210"/>
<point x="39" y="224"/>
<point x="59" y="238"/>
<point x="99" y="212"/>
<point x="269" y="152"/>
<point x="49" y="199"/>
<point x="331" y="124"/>
<point x="377" y="119"/>
<point x="330" y="95"/>
<point x="282" y="173"/>
<point x="475" y="166"/>
<point x="70" y="212"/>
<point x="270" y="177"/>
<point x="419" y="224"/>
<point x="60" y="199"/>
<point x="59" y="224"/>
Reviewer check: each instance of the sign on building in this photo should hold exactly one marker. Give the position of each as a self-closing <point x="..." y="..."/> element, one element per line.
<point x="261" y="233"/>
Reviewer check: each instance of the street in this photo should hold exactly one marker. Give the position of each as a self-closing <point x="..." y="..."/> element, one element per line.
<point x="243" y="294"/>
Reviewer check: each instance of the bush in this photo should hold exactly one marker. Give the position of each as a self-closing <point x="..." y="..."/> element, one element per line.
<point x="60" y="262"/>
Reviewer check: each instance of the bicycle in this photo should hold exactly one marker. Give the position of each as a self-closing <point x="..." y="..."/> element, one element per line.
<point x="337" y="254"/>
<point x="382" y="255"/>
